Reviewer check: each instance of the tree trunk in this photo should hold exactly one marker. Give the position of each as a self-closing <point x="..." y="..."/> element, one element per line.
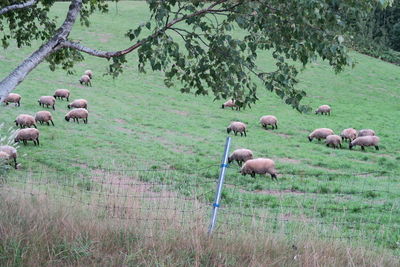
<point x="18" y="75"/>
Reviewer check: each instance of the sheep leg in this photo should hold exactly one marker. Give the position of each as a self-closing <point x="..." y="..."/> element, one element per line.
<point x="90" y="83"/>
<point x="239" y="163"/>
<point x="34" y="125"/>
<point x="273" y="176"/>
<point x="253" y="174"/>
<point x="15" y="163"/>
<point x="85" y="120"/>
<point x="235" y="133"/>
<point x="340" y="145"/>
<point x="377" y="147"/>
<point x="34" y="142"/>
<point x="25" y="142"/>
<point x="276" y="126"/>
<point x="37" y="140"/>
<point x="245" y="133"/>
<point x="54" y="108"/>
<point x="77" y="120"/>
<point x="52" y="122"/>
<point x="362" y="148"/>
<point x="48" y="123"/>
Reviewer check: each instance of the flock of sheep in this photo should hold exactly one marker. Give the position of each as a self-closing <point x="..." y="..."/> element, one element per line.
<point x="363" y="138"/>
<point x="79" y="111"/>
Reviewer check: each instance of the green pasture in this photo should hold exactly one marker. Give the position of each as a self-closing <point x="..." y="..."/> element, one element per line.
<point x="137" y="123"/>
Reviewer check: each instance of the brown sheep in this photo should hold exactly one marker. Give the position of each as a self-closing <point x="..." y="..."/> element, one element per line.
<point x="324" y="109"/>
<point x="76" y="114"/>
<point x="320" y="133"/>
<point x="85" y="79"/>
<point x="365" y="141"/>
<point x="13" y="98"/>
<point x="61" y="94"/>
<point x="48" y="101"/>
<point x="89" y="73"/>
<point x="26" y="135"/>
<point x="259" y="166"/>
<point x="237" y="127"/>
<point x="240" y="155"/>
<point x="334" y="140"/>
<point x="349" y="134"/>
<point x="44" y="116"/>
<point x="12" y="152"/>
<point x="78" y="103"/>
<point x="231" y="104"/>
<point x="366" y="132"/>
<point x="269" y="120"/>
<point x="25" y="120"/>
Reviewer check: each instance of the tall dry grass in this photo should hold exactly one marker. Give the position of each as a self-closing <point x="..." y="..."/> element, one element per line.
<point x="43" y="232"/>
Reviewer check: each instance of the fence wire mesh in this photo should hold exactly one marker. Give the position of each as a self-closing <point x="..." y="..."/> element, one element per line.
<point x="357" y="211"/>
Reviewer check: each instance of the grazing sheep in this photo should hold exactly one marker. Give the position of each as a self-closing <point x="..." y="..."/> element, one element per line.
<point x="349" y="134"/>
<point x="13" y="98"/>
<point x="365" y="141"/>
<point x="230" y="104"/>
<point x="25" y="120"/>
<point x="366" y="132"/>
<point x="269" y="120"/>
<point x="259" y="166"/>
<point x="44" y="116"/>
<point x="85" y="79"/>
<point x="78" y="103"/>
<point x="61" y="94"/>
<point x="324" y="109"/>
<point x="334" y="140"/>
<point x="12" y="153"/>
<point x="76" y="114"/>
<point x="89" y="73"/>
<point x="48" y="101"/>
<point x="320" y="133"/>
<point x="26" y="135"/>
<point x="240" y="155"/>
<point x="237" y="127"/>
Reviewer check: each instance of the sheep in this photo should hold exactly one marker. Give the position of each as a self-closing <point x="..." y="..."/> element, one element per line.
<point x="259" y="166"/>
<point x="269" y="120"/>
<point x="48" y="101"/>
<point x="78" y="103"/>
<point x="26" y="135"/>
<point x="13" y="98"/>
<point x="61" y="94"/>
<point x="320" y="133"/>
<point x="324" y="109"/>
<point x="76" y="114"/>
<point x="85" y="79"/>
<point x="12" y="153"/>
<point x="349" y="134"/>
<point x="237" y="127"/>
<point x="240" y="155"/>
<point x="365" y="141"/>
<point x="366" y="132"/>
<point x="25" y="120"/>
<point x="230" y="104"/>
<point x="89" y="73"/>
<point x="44" y="116"/>
<point x="334" y="140"/>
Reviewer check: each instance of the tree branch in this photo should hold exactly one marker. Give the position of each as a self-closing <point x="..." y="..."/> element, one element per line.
<point x="19" y="74"/>
<point x="105" y="54"/>
<point x="17" y="6"/>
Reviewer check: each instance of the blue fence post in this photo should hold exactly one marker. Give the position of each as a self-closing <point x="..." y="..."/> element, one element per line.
<point x="217" y="199"/>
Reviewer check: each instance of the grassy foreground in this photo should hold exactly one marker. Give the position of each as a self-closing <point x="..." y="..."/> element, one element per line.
<point x="135" y="122"/>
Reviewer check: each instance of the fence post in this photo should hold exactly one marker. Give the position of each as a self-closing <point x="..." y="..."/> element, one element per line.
<point x="224" y="165"/>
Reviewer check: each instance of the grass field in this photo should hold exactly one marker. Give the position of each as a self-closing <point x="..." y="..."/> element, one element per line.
<point x="136" y="122"/>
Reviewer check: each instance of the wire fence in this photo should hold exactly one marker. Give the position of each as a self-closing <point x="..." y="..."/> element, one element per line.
<point x="370" y="214"/>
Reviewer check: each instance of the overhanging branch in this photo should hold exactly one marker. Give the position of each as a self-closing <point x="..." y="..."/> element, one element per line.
<point x="17" y="6"/>
<point x="107" y="54"/>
